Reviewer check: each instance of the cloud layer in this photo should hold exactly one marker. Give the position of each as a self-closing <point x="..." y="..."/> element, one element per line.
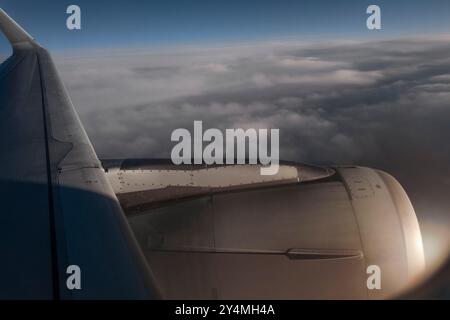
<point x="383" y="104"/>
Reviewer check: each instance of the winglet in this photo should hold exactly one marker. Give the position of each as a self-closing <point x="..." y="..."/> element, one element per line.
<point x="16" y="34"/>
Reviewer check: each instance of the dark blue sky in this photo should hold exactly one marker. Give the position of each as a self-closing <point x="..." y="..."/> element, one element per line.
<point x="124" y="23"/>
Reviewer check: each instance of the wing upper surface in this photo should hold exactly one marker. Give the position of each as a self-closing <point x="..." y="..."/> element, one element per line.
<point x="58" y="208"/>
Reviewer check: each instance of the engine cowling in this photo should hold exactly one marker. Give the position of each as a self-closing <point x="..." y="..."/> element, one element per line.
<point x="309" y="232"/>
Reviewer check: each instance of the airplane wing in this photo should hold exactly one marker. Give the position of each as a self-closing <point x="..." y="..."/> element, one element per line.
<point x="58" y="209"/>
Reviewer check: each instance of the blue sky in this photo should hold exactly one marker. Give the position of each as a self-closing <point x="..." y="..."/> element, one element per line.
<point x="125" y="23"/>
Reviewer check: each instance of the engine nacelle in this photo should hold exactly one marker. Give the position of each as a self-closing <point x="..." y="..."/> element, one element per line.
<point x="309" y="233"/>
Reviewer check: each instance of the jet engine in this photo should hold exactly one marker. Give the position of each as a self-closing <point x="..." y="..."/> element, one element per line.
<point x="226" y="232"/>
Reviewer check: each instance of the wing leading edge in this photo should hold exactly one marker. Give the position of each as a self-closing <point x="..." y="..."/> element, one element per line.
<point x="58" y="208"/>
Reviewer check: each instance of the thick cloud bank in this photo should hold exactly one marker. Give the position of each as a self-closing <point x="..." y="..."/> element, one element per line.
<point x="382" y="104"/>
